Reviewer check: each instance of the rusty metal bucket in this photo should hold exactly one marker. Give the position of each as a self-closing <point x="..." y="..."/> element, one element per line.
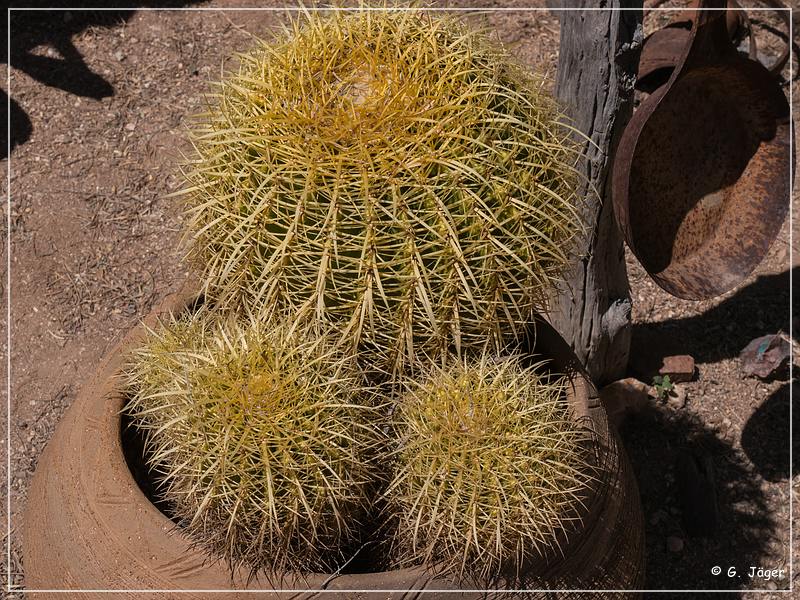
<point x="701" y="176"/>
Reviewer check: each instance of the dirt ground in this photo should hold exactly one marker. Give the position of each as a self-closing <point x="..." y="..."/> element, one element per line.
<point x="100" y="101"/>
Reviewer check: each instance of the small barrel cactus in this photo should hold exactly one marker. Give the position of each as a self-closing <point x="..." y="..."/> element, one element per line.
<point x="394" y="174"/>
<point x="262" y="440"/>
<point x="490" y="472"/>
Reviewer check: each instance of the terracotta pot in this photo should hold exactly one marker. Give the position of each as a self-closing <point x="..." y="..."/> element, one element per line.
<point x="88" y="525"/>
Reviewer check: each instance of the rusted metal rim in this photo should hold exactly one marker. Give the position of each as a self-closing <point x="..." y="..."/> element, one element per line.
<point x="662" y="49"/>
<point x="701" y="176"/>
<point x="660" y="53"/>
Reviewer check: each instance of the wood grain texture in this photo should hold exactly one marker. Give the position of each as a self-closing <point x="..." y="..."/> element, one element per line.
<point x="597" y="64"/>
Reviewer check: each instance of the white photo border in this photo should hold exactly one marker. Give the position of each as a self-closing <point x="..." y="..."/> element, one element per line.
<point x="11" y="587"/>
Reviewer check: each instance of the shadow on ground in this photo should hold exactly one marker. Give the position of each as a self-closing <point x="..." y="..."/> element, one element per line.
<point x="698" y="489"/>
<point x="41" y="46"/>
<point x="696" y="484"/>
<point x="719" y="333"/>
<point x="794" y="54"/>
<point x="766" y="435"/>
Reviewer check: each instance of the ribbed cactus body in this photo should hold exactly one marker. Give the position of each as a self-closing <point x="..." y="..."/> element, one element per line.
<point x="261" y="438"/>
<point x="391" y="173"/>
<point x="491" y="469"/>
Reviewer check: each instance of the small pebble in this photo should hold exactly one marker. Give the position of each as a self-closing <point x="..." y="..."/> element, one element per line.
<point x="674" y="544"/>
<point x="677" y="397"/>
<point x="679" y="368"/>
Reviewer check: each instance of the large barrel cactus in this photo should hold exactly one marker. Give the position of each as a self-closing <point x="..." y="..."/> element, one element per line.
<point x="394" y="174"/>
<point x="262" y="439"/>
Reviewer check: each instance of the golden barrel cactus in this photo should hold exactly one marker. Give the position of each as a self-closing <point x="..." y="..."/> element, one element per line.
<point x="262" y="439"/>
<point x="392" y="173"/>
<point x="491" y="468"/>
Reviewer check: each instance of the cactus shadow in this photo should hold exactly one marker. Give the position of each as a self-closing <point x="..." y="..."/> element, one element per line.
<point x="697" y="487"/>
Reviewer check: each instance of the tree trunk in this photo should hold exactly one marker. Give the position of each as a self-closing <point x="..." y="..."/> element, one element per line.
<point x="597" y="64"/>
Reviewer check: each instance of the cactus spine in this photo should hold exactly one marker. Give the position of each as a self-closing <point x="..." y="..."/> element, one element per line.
<point x="490" y="470"/>
<point x="394" y="174"/>
<point x="262" y="437"/>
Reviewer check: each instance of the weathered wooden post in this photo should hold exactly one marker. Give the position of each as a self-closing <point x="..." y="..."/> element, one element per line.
<point x="597" y="64"/>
